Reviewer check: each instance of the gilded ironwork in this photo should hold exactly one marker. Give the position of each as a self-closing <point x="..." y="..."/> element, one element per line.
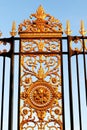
<point x="76" y="45"/>
<point x="5" y="47"/>
<point x="46" y="45"/>
<point x="13" y="31"/>
<point x="68" y="30"/>
<point x="82" y="29"/>
<point x="40" y="81"/>
<point x="39" y="58"/>
<point x="41" y="97"/>
<point x="0" y="33"/>
<point x="43" y="25"/>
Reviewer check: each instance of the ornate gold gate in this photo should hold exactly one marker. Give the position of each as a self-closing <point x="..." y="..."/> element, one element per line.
<point x="40" y="73"/>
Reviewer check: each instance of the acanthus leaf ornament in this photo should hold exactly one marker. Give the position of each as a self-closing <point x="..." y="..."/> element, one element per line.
<point x="41" y="90"/>
<point x="40" y="79"/>
<point x="44" y="25"/>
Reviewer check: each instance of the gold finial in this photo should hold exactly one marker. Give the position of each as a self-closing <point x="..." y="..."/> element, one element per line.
<point x="68" y="30"/>
<point x="82" y="30"/>
<point x="41" y="73"/>
<point x="13" y="31"/>
<point x="0" y="33"/>
<point x="40" y="13"/>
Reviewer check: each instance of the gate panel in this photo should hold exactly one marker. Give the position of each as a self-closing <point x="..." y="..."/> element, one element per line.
<point x="41" y="91"/>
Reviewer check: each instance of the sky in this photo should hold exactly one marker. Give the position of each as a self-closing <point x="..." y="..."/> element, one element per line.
<point x="18" y="10"/>
<point x="73" y="10"/>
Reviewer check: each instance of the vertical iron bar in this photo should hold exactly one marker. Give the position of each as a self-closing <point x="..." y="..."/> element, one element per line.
<point x="62" y="83"/>
<point x="2" y="100"/>
<point x="70" y="82"/>
<point x="84" y="60"/>
<point x="77" y="66"/>
<point x="10" y="116"/>
<point x="18" y="125"/>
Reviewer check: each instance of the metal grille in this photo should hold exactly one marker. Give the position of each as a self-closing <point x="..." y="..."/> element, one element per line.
<point x="69" y="60"/>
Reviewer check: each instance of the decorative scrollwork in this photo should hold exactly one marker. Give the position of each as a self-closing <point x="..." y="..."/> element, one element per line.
<point x="50" y="64"/>
<point x="46" y="45"/>
<point x="41" y="97"/>
<point x="4" y="47"/>
<point x="76" y="45"/>
<point x="43" y="23"/>
<point x="40" y="80"/>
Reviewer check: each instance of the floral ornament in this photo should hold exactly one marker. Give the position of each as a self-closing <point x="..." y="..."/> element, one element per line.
<point x="25" y="112"/>
<point x="56" y="112"/>
<point x="55" y="81"/>
<point x="26" y="81"/>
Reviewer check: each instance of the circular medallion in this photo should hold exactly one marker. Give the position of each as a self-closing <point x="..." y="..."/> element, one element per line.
<point x="40" y="95"/>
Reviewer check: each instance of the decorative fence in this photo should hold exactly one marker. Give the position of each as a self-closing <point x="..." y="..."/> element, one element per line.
<point x="41" y="71"/>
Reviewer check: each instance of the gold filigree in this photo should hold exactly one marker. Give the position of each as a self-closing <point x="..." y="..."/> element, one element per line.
<point x="31" y="45"/>
<point x="78" y="45"/>
<point x="40" y="79"/>
<point x="41" y="115"/>
<point x="41" y="92"/>
<point x="41" y="46"/>
<point x="43" y="25"/>
<point x="4" y="47"/>
<point x="40" y="13"/>
<point x="39" y="96"/>
<point x="41" y="73"/>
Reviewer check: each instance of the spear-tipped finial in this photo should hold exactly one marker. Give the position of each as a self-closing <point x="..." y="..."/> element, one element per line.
<point x="0" y="33"/>
<point x="82" y="30"/>
<point x="68" y="30"/>
<point x="13" y="31"/>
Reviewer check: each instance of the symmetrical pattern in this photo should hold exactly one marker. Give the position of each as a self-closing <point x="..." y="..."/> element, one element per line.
<point x="5" y="47"/>
<point x="41" y="98"/>
<point x="40" y="71"/>
<point x="40" y="79"/>
<point x="78" y="45"/>
<point x="46" y="45"/>
<point x="43" y="23"/>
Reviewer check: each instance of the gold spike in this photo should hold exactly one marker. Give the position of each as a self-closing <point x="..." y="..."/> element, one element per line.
<point x="68" y="30"/>
<point x="82" y="30"/>
<point x="0" y="33"/>
<point x="13" y="31"/>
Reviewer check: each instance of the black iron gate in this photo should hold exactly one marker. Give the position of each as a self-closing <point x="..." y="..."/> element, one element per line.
<point x="71" y="54"/>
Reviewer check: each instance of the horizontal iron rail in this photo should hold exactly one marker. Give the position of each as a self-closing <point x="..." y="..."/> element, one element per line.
<point x="19" y="38"/>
